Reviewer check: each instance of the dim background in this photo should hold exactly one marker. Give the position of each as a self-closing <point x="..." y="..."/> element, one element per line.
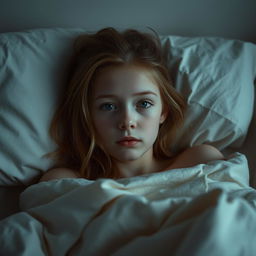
<point x="234" y="19"/>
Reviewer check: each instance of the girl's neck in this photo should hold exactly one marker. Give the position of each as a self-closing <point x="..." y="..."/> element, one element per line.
<point x="136" y="168"/>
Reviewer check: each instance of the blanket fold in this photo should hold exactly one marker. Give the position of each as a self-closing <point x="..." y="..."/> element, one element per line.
<point x="208" y="209"/>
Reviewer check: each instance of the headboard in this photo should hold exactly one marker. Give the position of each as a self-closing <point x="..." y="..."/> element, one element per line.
<point x="233" y="19"/>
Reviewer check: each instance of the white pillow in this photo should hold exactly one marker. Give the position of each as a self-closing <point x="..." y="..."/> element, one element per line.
<point x="215" y="75"/>
<point x="32" y="69"/>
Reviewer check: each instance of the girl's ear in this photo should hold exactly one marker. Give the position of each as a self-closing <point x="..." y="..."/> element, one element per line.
<point x="163" y="116"/>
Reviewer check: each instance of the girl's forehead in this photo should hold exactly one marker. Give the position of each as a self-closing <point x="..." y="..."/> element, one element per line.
<point x="125" y="79"/>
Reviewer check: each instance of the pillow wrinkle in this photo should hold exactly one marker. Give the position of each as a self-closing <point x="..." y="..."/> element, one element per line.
<point x="227" y="119"/>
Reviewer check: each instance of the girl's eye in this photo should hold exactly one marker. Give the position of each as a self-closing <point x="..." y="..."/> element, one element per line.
<point x="144" y="104"/>
<point x="107" y="107"/>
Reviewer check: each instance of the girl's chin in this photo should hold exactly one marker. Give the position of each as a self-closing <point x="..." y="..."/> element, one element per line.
<point x="126" y="158"/>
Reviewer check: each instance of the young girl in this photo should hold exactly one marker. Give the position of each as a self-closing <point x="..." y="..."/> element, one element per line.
<point x="120" y="111"/>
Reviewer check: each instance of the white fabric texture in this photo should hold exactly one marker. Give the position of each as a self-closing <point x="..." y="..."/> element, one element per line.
<point x="208" y="209"/>
<point x="215" y="75"/>
<point x="217" y="78"/>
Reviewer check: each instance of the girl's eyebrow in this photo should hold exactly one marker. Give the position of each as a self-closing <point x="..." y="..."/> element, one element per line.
<point x="135" y="94"/>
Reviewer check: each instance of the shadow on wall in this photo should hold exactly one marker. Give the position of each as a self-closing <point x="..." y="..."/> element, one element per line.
<point x="180" y="17"/>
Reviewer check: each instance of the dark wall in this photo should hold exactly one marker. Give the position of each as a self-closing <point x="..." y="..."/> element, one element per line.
<point x="227" y="18"/>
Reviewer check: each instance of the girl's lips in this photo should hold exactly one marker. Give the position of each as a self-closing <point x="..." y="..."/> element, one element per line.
<point x="128" y="143"/>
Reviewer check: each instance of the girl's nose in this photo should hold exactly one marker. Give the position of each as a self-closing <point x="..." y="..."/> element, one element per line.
<point x="127" y="118"/>
<point x="126" y="125"/>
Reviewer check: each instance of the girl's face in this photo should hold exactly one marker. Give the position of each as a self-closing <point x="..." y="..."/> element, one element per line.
<point x="127" y="110"/>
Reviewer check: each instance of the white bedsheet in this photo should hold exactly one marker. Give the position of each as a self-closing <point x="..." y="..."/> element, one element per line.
<point x="202" y="210"/>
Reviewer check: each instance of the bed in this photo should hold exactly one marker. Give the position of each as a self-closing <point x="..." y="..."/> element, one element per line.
<point x="208" y="209"/>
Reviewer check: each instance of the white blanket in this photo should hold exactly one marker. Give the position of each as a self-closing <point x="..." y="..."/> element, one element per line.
<point x="208" y="209"/>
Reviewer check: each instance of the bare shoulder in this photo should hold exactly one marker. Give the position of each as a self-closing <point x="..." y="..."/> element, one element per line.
<point x="204" y="153"/>
<point x="59" y="173"/>
<point x="197" y="155"/>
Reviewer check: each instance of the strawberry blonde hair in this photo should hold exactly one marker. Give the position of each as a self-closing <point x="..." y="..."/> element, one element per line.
<point x="72" y="128"/>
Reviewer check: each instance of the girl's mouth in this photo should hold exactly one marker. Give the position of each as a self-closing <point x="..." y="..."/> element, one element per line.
<point x="128" y="141"/>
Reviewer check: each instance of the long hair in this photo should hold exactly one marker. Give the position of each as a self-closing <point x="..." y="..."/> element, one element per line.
<point x="72" y="127"/>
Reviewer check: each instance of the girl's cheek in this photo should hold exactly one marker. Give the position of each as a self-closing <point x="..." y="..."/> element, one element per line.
<point x="101" y="121"/>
